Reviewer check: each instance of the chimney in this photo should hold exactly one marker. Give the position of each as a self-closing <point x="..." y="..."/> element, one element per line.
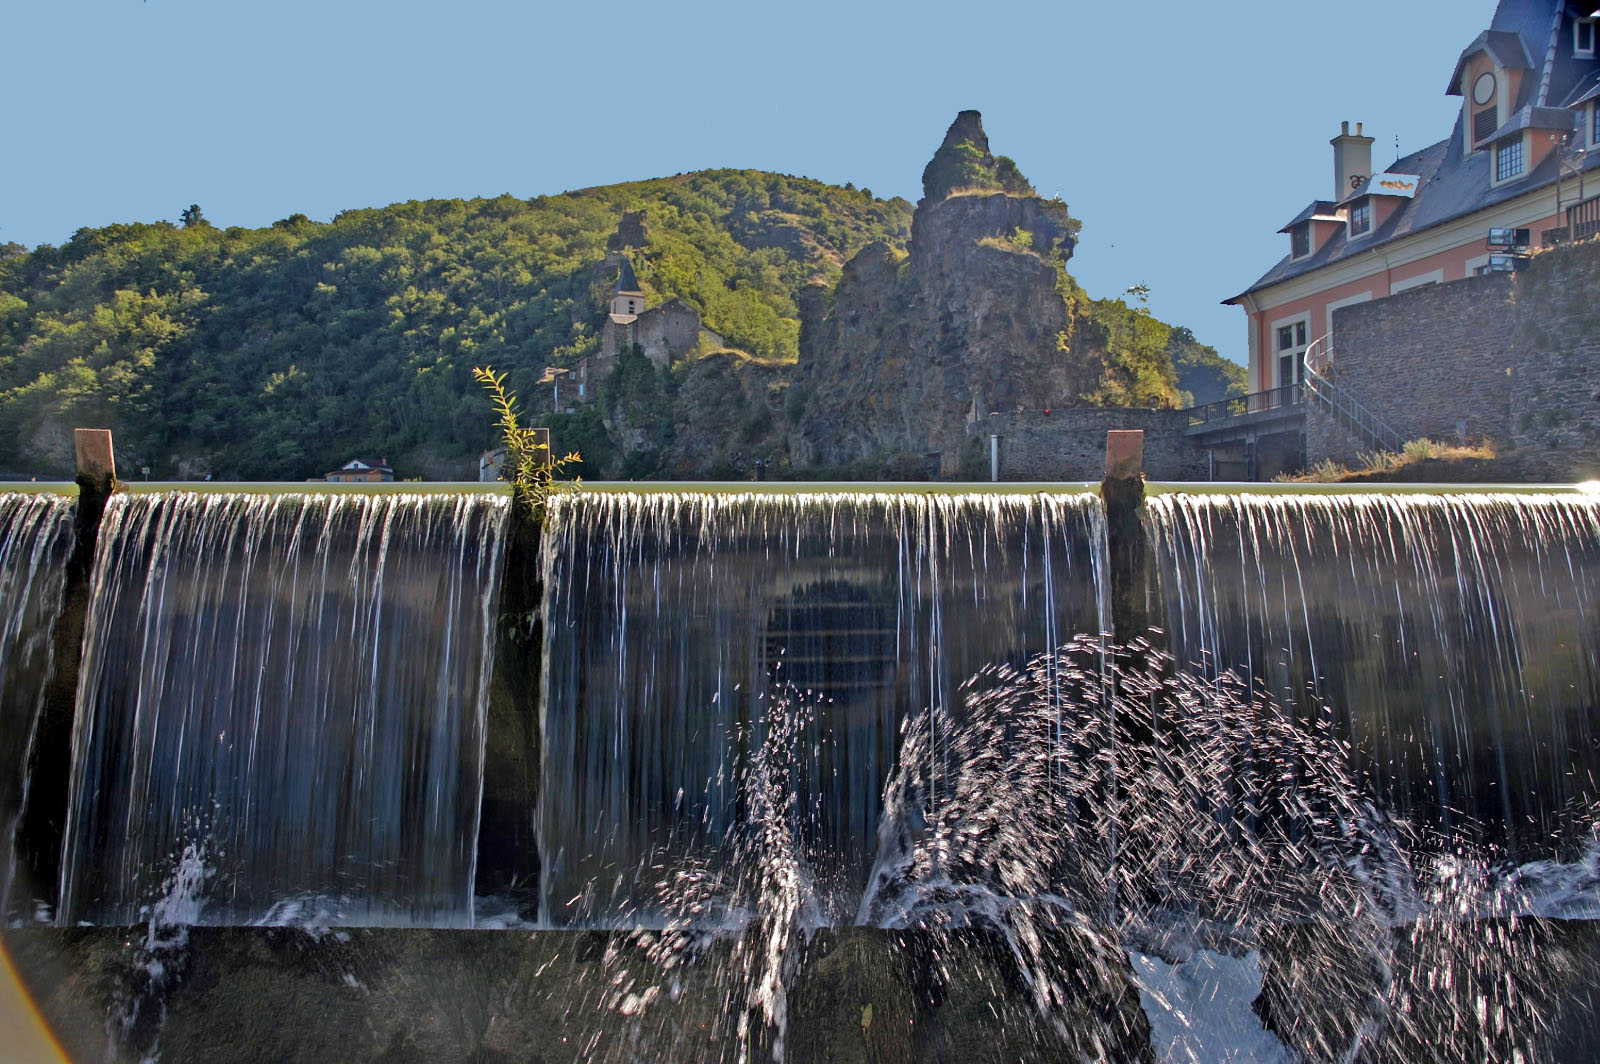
<point x="1352" y="158"/>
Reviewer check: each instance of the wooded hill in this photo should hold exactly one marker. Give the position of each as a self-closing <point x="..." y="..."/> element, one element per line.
<point x="278" y="353"/>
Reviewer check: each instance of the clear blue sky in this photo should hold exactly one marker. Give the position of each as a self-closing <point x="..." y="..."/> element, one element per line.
<point x="1182" y="134"/>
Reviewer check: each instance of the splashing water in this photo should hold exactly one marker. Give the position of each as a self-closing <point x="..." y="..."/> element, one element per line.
<point x="1132" y="832"/>
<point x="159" y="961"/>
<point x="1454" y="639"/>
<point x="668" y="613"/>
<point x="759" y="898"/>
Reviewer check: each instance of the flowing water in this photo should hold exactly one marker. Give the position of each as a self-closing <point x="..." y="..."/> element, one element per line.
<point x="35" y="540"/>
<point x="1279" y="875"/>
<point x="1453" y="641"/>
<point x="1310" y="822"/>
<point x="295" y="685"/>
<point x="671" y="616"/>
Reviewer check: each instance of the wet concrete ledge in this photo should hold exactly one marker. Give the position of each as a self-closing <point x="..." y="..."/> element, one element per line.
<point x="246" y="994"/>
<point x="856" y="995"/>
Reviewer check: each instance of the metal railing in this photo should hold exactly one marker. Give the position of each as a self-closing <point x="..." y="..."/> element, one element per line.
<point x="1240" y="405"/>
<point x="1583" y="223"/>
<point x="1341" y="405"/>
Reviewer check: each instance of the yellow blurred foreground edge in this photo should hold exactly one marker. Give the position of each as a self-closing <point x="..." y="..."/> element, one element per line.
<point x="23" y="1033"/>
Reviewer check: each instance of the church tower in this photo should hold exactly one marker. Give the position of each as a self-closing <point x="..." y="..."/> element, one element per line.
<point x="628" y="300"/>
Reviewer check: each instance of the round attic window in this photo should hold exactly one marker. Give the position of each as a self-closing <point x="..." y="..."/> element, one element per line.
<point x="1483" y="89"/>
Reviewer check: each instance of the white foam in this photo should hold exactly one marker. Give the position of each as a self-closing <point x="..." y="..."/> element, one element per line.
<point x="1199" y="1009"/>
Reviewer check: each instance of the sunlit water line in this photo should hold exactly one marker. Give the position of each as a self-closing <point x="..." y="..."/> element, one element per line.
<point x="299" y="683"/>
<point x="670" y="615"/>
<point x="36" y="533"/>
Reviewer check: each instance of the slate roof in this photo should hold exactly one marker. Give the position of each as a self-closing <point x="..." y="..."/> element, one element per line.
<point x="626" y="281"/>
<point x="1327" y="210"/>
<point x="1506" y="49"/>
<point x="1585" y="90"/>
<point x="1453" y="183"/>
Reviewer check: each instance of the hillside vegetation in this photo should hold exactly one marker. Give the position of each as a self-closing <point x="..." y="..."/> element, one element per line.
<point x="280" y="352"/>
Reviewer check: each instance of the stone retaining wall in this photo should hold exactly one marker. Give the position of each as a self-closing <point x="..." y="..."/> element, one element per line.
<point x="1071" y="444"/>
<point x="1513" y="359"/>
<point x="1431" y="362"/>
<point x="1555" y="386"/>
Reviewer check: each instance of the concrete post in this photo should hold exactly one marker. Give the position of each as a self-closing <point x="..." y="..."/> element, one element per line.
<point x="1122" y="491"/>
<point x="994" y="458"/>
<point x="41" y="829"/>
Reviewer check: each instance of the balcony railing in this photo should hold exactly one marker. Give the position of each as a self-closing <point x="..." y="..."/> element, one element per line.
<point x="1240" y="405"/>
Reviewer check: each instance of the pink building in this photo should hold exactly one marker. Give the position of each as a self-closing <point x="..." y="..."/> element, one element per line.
<point x="1524" y="154"/>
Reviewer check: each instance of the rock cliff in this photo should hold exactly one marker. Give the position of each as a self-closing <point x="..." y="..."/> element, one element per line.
<point x="979" y="316"/>
<point x="904" y="359"/>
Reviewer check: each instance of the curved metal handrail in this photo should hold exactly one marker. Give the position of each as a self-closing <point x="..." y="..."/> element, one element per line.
<point x="1339" y="402"/>
<point x="1319" y="354"/>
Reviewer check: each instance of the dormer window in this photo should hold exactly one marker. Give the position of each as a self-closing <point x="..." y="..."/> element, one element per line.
<point x="1583" y="36"/>
<point x="1360" y="217"/>
<point x="1508" y="159"/>
<point x="1300" y="241"/>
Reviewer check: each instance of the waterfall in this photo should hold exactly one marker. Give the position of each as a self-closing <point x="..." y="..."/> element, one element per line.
<point x="1455" y="639"/>
<point x="35" y="540"/>
<point x="678" y="624"/>
<point x="295" y="687"/>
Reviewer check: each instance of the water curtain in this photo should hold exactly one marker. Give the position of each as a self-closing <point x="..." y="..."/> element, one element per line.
<point x="292" y="689"/>
<point x="681" y="627"/>
<point x="1455" y="639"/>
<point x="35" y="540"/>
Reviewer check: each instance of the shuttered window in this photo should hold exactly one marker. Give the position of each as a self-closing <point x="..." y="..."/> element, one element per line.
<point x="1483" y="125"/>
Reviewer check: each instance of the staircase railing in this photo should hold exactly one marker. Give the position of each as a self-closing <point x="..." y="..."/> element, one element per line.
<point x="1341" y="405"/>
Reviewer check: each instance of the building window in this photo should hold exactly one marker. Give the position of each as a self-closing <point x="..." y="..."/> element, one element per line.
<point x="1583" y="37"/>
<point x="1594" y="123"/>
<point x="1300" y="240"/>
<point x="1291" y="354"/>
<point x="1508" y="159"/>
<point x="1360" y="217"/>
<point x="1484" y="125"/>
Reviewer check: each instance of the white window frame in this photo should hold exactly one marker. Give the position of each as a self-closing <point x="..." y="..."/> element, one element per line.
<point x="1495" y="179"/>
<point x="1296" y="351"/>
<point x="1433" y="277"/>
<point x="1347" y="301"/>
<point x="1311" y="244"/>
<point x="1350" y="218"/>
<point x="1593" y="29"/>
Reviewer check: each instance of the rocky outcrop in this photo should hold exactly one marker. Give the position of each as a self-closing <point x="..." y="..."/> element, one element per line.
<point x="631" y="232"/>
<point x="975" y="319"/>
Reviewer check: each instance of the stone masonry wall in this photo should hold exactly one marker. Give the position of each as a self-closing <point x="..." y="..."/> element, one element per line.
<point x="1071" y="444"/>
<point x="669" y="332"/>
<point x="1555" y="384"/>
<point x="1424" y="361"/>
<point x="1517" y="357"/>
